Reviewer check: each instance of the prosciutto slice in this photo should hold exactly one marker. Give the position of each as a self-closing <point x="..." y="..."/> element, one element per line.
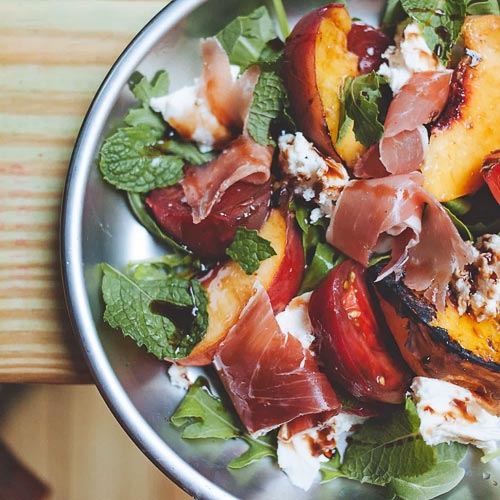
<point x="243" y="159"/>
<point x="404" y="143"/>
<point x="270" y="376"/>
<point x="396" y="214"/>
<point x="229" y="99"/>
<point x="420" y="101"/>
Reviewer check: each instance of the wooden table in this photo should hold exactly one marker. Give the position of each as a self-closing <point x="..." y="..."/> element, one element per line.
<point x="53" y="56"/>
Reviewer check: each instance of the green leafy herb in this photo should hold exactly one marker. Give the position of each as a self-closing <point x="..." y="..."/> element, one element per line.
<point x="393" y="13"/>
<point x="482" y="7"/>
<point x="331" y="470"/>
<point x="361" y="104"/>
<point x="136" y="202"/>
<point x="174" y="265"/>
<point x="141" y="309"/>
<point x="270" y="102"/>
<point x="206" y="416"/>
<point x="320" y="256"/>
<point x="441" y="22"/>
<point x="145" y="116"/>
<point x="188" y="151"/>
<point x="443" y="477"/>
<point x="388" y="448"/>
<point x="248" y="249"/>
<point x="282" y="19"/>
<point x="144" y="89"/>
<point x="459" y="206"/>
<point x="264" y="446"/>
<point x="245" y="38"/>
<point x="130" y="160"/>
<point x="463" y="230"/>
<point x="490" y="456"/>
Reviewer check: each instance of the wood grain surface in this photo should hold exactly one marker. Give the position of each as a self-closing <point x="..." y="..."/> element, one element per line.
<point x="76" y="447"/>
<point x="53" y="56"/>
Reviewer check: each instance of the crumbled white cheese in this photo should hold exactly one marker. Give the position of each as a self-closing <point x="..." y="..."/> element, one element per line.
<point x="298" y="455"/>
<point x="182" y="376"/>
<point x="313" y="176"/>
<point x="449" y="413"/>
<point x="477" y="288"/>
<point x="295" y="320"/>
<point x="411" y="54"/>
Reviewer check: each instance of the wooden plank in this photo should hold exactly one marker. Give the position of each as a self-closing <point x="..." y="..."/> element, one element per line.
<point x="53" y="57"/>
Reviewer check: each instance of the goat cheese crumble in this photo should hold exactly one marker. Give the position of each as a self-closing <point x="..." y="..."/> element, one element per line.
<point x="300" y="455"/>
<point x="295" y="320"/>
<point x="477" y="287"/>
<point x="449" y="413"/>
<point x="411" y="54"/>
<point x="313" y="176"/>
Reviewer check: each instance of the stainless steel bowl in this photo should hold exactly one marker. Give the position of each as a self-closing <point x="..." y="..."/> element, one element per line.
<point x="97" y="226"/>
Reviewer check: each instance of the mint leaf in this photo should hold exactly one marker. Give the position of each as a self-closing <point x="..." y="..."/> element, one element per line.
<point x="204" y="415"/>
<point x="248" y="249"/>
<point x="245" y="37"/>
<point x="188" y="151"/>
<point x="443" y="477"/>
<point x="388" y="448"/>
<point x="264" y="446"/>
<point x="451" y="451"/>
<point x="270" y="101"/>
<point x="441" y="22"/>
<point x="140" y="310"/>
<point x="130" y="161"/>
<point x="482" y="7"/>
<point x="174" y="265"/>
<point x="361" y="102"/>
<point x="144" y="90"/>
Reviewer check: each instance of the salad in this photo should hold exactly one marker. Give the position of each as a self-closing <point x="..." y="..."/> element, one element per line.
<point x="329" y="201"/>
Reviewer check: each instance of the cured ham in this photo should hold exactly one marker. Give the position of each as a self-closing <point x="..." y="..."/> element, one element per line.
<point x="404" y="143"/>
<point x="270" y="376"/>
<point x="396" y="214"/>
<point x="420" y="101"/>
<point x="242" y="160"/>
<point x="228" y="98"/>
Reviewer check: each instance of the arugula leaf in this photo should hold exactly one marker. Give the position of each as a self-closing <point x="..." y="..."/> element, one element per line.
<point x="136" y="202"/>
<point x="248" y="249"/>
<point x="462" y="229"/>
<point x="331" y="470"/>
<point x="264" y="446"/>
<point x="388" y="448"/>
<point x="245" y="37"/>
<point x="282" y="19"/>
<point x="441" y="22"/>
<point x="482" y="7"/>
<point x="130" y="161"/>
<point x="325" y="258"/>
<point x="145" y="116"/>
<point x="459" y="206"/>
<point x="361" y="102"/>
<point x="204" y="415"/>
<point x="188" y="151"/>
<point x="144" y="90"/>
<point x="270" y="101"/>
<point x="137" y="309"/>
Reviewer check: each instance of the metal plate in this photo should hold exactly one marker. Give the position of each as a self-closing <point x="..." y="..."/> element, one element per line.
<point x="97" y="226"/>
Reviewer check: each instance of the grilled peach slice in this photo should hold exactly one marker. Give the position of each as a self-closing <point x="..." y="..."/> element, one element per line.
<point x="316" y="63"/>
<point x="468" y="130"/>
<point x="229" y="289"/>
